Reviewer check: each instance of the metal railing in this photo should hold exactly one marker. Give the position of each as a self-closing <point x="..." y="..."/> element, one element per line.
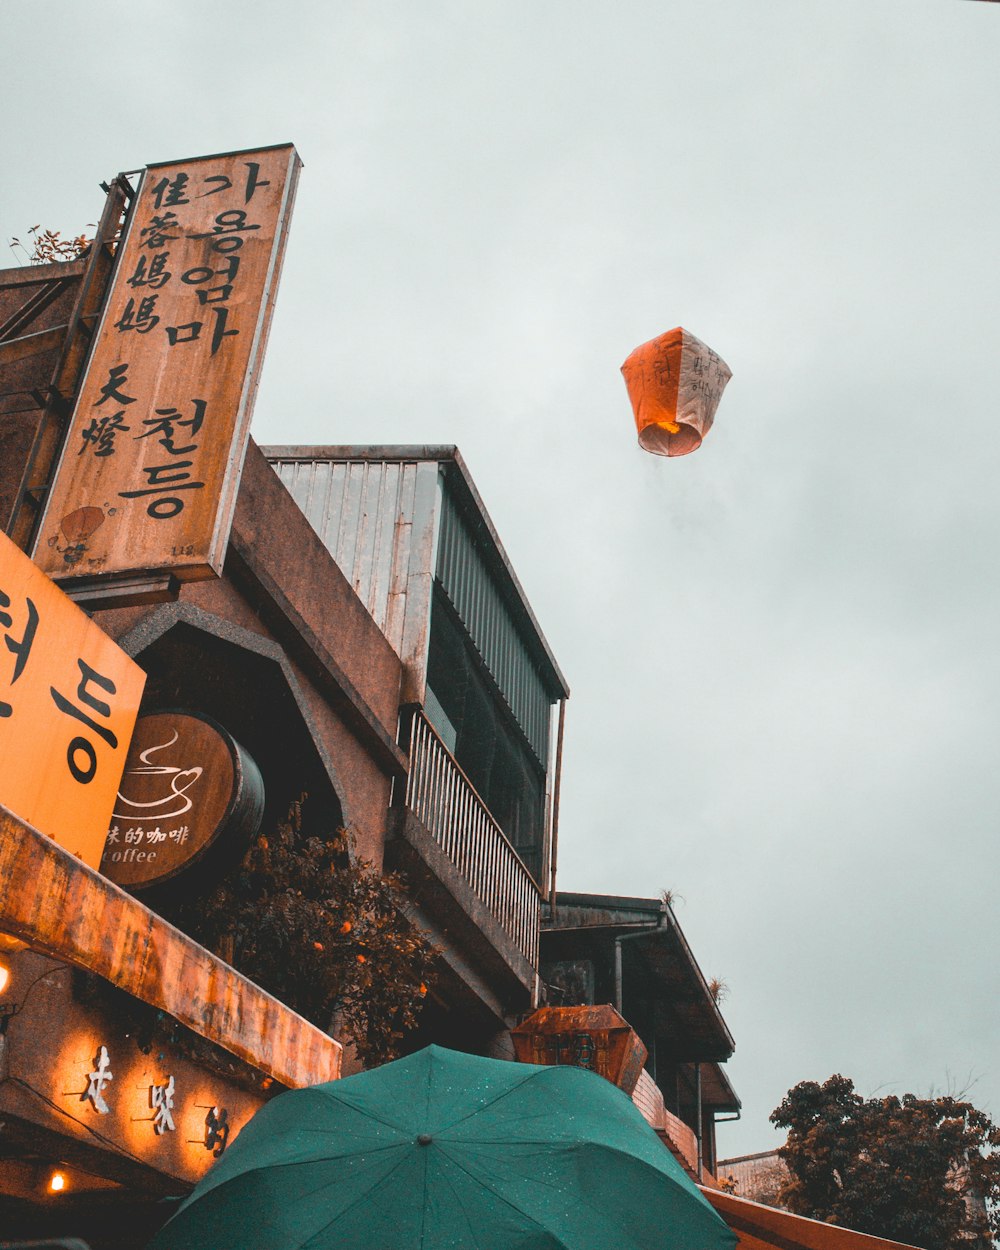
<point x="444" y="800"/>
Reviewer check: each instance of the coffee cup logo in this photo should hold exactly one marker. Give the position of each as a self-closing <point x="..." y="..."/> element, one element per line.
<point x="176" y="782"/>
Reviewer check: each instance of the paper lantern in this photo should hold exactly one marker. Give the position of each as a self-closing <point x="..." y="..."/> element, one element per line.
<point x="79" y="525"/>
<point x="675" y="383"/>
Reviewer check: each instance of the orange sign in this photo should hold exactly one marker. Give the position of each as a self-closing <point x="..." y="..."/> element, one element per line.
<point x="148" y="477"/>
<point x="69" y="697"/>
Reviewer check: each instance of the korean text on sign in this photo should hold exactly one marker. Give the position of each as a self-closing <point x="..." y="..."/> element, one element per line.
<point x="69" y="697"/>
<point x="148" y="477"/>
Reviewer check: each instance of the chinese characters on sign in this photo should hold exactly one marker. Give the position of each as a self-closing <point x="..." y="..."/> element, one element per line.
<point x="161" y="1102"/>
<point x="594" y="1037"/>
<point x="97" y="1081"/>
<point x="161" y="1099"/>
<point x="217" y="1130"/>
<point x="186" y="784"/>
<point x="148" y="477"/>
<point x="68" y="702"/>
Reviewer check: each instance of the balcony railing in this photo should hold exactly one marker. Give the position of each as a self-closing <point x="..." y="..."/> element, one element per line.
<point x="444" y="800"/>
<point x="683" y="1142"/>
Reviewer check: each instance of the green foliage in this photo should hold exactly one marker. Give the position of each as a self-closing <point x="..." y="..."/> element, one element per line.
<point x="925" y="1171"/>
<point x="326" y="936"/>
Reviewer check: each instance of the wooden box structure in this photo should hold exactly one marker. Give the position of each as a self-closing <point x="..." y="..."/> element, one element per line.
<point x="597" y="1038"/>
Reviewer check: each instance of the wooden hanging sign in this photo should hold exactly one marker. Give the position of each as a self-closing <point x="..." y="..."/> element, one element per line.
<point x="595" y="1037"/>
<point x="148" y="477"/>
<point x="186" y="784"/>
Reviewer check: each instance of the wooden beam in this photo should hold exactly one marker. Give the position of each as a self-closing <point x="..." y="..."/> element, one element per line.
<point x="59" y="906"/>
<point x="32" y="344"/>
<point x="39" y="274"/>
<point x="761" y="1227"/>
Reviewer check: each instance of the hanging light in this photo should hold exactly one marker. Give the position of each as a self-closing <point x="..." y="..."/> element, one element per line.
<point x="675" y="383"/>
<point x="4" y="977"/>
<point x="57" y="1182"/>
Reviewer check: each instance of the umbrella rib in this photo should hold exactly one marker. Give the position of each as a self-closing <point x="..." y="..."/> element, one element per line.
<point x="423" y="1208"/>
<point x="561" y="1245"/>
<point x="350" y="1207"/>
<point x="344" y="1102"/>
<point x="366" y="1111"/>
<point x="513" y="1089"/>
<point x="678" y="1183"/>
<point x="458" y="1198"/>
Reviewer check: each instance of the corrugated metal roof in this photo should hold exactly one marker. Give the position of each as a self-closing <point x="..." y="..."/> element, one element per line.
<point x="363" y="511"/>
<point x="361" y="500"/>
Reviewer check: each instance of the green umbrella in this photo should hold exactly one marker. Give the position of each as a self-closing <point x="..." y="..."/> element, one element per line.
<point x="444" y="1150"/>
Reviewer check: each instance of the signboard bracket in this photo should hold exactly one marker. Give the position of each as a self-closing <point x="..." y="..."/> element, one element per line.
<point x="125" y="591"/>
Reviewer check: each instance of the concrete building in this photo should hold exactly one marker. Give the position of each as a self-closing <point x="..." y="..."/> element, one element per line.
<point x="394" y="674"/>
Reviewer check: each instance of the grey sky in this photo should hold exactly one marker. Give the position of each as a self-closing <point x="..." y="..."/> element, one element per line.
<point x="783" y="649"/>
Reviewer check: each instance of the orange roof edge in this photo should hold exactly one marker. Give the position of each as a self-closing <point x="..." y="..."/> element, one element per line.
<point x="769" y="1228"/>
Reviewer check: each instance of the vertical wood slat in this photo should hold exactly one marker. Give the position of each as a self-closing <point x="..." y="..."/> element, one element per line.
<point x="444" y="800"/>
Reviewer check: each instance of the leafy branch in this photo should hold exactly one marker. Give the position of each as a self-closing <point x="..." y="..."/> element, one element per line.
<point x="49" y="245"/>
<point x="328" y="937"/>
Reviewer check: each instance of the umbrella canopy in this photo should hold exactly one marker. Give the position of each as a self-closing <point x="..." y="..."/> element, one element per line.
<point x="447" y="1150"/>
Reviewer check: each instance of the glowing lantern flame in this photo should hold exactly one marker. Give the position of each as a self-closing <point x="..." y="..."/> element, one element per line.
<point x="79" y="525"/>
<point x="675" y="383"/>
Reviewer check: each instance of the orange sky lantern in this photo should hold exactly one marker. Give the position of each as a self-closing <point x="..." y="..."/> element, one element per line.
<point x="675" y="383"/>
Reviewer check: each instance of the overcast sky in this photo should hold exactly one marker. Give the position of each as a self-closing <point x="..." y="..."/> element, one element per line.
<point x="783" y="650"/>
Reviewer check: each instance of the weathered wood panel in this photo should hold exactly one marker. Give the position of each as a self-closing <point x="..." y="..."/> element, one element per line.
<point x="768" y="1228"/>
<point x="597" y="1038"/>
<point x="123" y="1136"/>
<point x="58" y="906"/>
<point x="162" y="418"/>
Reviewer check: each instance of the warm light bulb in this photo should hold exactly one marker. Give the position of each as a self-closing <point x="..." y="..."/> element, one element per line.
<point x="57" y="1183"/>
<point x="4" y="977"/>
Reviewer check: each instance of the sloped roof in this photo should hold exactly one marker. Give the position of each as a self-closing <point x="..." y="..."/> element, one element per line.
<point x="769" y="1228"/>
<point x="678" y="993"/>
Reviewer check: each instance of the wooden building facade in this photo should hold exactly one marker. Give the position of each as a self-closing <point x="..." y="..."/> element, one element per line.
<point x="113" y="1021"/>
<point x="632" y="953"/>
<point x="367" y="644"/>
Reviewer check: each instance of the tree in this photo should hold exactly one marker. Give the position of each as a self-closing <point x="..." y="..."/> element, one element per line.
<point x="925" y="1171"/>
<point x="328" y="937"/>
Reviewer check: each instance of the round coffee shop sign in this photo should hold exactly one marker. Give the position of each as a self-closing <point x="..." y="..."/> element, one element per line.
<point x="186" y="783"/>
